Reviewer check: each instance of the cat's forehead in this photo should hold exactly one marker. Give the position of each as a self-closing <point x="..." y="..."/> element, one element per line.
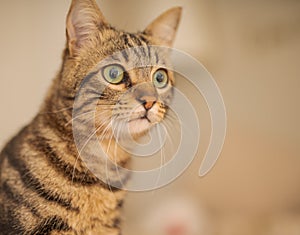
<point x="139" y="75"/>
<point x="133" y="49"/>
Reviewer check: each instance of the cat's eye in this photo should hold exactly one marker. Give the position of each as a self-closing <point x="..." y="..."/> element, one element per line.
<point x="160" y="78"/>
<point x="113" y="74"/>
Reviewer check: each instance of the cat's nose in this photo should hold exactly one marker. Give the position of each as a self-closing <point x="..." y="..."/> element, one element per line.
<point x="147" y="101"/>
<point x="146" y="94"/>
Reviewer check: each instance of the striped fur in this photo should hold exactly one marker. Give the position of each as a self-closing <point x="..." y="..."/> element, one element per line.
<point x="45" y="188"/>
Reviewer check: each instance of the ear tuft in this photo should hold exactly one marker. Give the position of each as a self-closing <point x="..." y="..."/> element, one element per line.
<point x="83" y="20"/>
<point x="165" y="26"/>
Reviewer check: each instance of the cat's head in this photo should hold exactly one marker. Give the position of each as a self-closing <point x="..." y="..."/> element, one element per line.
<point x="135" y="98"/>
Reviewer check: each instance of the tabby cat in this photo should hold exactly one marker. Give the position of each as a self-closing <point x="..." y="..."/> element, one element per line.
<point x="45" y="187"/>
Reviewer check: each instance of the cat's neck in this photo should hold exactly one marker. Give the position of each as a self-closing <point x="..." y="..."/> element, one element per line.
<point x="116" y="153"/>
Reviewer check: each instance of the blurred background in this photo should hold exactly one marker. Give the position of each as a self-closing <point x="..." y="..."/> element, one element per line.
<point x="251" y="48"/>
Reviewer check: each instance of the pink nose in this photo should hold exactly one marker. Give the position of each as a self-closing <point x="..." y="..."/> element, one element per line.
<point x="148" y="105"/>
<point x="147" y="101"/>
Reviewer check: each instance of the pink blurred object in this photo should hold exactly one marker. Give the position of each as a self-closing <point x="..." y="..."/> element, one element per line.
<point x="176" y="216"/>
<point x="176" y="228"/>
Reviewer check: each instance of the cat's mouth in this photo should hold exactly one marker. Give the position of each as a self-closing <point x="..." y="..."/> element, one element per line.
<point x="140" y="120"/>
<point x="140" y="113"/>
<point x="145" y="117"/>
<point x="148" y="116"/>
<point x="141" y="123"/>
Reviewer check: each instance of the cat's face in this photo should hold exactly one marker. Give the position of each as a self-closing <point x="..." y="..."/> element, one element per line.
<point x="136" y="83"/>
<point x="135" y="98"/>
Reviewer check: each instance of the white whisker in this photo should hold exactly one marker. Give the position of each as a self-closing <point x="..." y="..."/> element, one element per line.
<point x="106" y="122"/>
<point x="80" y="115"/>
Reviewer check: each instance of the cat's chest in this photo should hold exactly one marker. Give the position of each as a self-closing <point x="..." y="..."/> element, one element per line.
<point x="98" y="211"/>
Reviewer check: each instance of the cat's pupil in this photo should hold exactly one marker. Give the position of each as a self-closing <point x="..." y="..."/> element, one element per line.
<point x="160" y="77"/>
<point x="114" y="73"/>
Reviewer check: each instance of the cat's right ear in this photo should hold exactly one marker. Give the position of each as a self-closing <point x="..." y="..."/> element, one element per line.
<point x="165" y="26"/>
<point x="83" y="21"/>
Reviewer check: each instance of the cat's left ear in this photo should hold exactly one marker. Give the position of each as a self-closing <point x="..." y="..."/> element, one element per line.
<point x="83" y="21"/>
<point x="165" y="26"/>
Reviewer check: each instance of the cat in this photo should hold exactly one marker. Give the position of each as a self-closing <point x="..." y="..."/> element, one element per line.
<point x="45" y="187"/>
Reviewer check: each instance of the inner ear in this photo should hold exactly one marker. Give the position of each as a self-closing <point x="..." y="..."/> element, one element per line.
<point x="165" y="26"/>
<point x="83" y="21"/>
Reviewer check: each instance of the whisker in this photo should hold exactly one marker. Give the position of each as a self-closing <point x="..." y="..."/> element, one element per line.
<point x="116" y="147"/>
<point x="57" y="111"/>
<point x="171" y="117"/>
<point x="161" y="155"/>
<point x="79" y="153"/>
<point x="107" y="159"/>
<point x="102" y="136"/>
<point x="169" y="126"/>
<point x="78" y="116"/>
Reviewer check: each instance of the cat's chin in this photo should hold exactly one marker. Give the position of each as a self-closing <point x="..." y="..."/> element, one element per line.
<point x="139" y="126"/>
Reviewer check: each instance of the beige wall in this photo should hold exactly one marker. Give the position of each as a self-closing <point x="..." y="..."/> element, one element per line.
<point x="251" y="48"/>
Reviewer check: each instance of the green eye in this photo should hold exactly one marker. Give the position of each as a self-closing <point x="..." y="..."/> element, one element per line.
<point x="160" y="78"/>
<point x="113" y="74"/>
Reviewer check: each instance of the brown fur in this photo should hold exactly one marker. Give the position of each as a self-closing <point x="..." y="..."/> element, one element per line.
<point x="45" y="188"/>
